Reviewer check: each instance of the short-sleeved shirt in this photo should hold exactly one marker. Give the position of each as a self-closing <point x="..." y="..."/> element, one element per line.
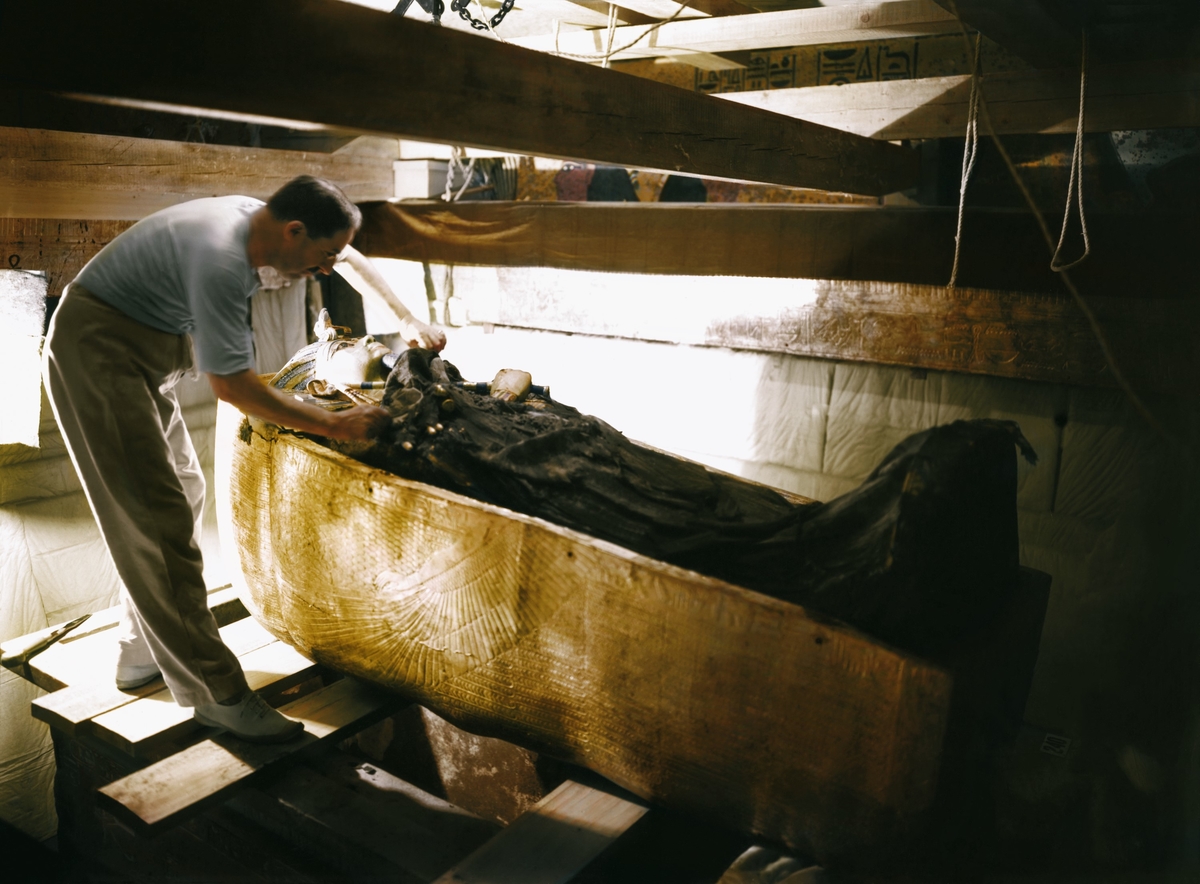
<point x="184" y="270"/>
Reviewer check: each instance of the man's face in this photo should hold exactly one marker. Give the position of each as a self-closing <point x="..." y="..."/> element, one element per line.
<point x="305" y="257"/>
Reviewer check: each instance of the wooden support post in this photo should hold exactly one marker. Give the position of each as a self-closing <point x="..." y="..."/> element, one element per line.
<point x="389" y="75"/>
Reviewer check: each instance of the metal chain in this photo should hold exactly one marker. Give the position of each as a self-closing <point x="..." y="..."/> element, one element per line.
<point x="462" y="8"/>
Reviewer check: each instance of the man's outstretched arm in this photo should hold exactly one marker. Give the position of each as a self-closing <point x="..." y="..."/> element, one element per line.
<point x="246" y="391"/>
<point x="369" y="282"/>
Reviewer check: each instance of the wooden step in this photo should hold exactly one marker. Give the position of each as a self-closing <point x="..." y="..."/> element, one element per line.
<point x="72" y="708"/>
<point x="88" y="654"/>
<point x="146" y="725"/>
<point x="165" y="793"/>
<point x="550" y="843"/>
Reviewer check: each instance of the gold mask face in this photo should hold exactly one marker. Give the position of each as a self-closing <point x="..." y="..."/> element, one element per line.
<point x="352" y="363"/>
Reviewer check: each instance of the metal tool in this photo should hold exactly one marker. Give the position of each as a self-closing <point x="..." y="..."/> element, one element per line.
<point x="39" y="642"/>
<point x="485" y="387"/>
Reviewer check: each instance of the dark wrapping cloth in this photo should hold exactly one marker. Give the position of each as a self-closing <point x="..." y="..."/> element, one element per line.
<point x="921" y="555"/>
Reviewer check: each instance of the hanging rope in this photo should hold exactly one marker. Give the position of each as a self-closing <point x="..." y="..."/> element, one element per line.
<point x="970" y="152"/>
<point x="456" y="157"/>
<point x="1075" y="182"/>
<point x="610" y="52"/>
<point x="612" y="31"/>
<point x="1093" y="322"/>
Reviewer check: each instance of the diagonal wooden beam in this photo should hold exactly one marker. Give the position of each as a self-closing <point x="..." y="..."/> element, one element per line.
<point x="1142" y="96"/>
<point x="388" y="75"/>
<point x="790" y="27"/>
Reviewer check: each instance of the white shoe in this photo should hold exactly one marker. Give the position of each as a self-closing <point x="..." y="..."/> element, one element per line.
<point x="250" y="719"/>
<point x="130" y="677"/>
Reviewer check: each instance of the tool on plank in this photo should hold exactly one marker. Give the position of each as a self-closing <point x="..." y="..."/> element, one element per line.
<point x="38" y="642"/>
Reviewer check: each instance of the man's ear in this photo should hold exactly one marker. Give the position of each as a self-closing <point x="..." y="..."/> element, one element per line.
<point x="294" y="229"/>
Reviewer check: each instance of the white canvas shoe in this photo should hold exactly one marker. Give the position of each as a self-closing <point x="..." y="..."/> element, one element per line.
<point x="250" y="718"/>
<point x="130" y="677"/>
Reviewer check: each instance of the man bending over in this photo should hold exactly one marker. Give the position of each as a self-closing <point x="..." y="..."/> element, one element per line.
<point x="168" y="294"/>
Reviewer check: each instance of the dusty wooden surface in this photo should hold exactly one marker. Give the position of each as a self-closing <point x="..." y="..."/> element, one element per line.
<point x="1149" y="95"/>
<point x="1031" y="336"/>
<point x="683" y="689"/>
<point x="161" y="795"/>
<point x="785" y="27"/>
<point x="552" y="841"/>
<point x="1132" y="256"/>
<point x="45" y="174"/>
<point x="456" y="89"/>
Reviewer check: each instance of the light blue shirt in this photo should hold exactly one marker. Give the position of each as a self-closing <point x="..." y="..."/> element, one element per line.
<point x="184" y="270"/>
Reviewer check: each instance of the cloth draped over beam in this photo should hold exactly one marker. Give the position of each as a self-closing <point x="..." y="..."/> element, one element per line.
<point x="1132" y="256"/>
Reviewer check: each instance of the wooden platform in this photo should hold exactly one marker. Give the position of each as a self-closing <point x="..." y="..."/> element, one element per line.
<point x="144" y="793"/>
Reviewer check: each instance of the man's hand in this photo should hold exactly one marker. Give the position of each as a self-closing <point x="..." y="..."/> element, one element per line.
<point x="359" y="423"/>
<point x="247" y="392"/>
<point x="421" y="334"/>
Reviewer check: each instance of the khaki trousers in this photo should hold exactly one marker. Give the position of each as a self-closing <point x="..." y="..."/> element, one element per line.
<point x="110" y="380"/>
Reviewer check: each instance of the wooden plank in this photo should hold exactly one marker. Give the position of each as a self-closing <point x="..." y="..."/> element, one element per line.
<point x="420" y="835"/>
<point x="143" y="726"/>
<point x="547" y="845"/>
<point x="1145" y="96"/>
<point x="164" y="794"/>
<point x="1037" y="337"/>
<point x="461" y="89"/>
<point x="70" y="708"/>
<point x="88" y="655"/>
<point x="1132" y="255"/>
<point x="70" y="175"/>
<point x="818" y="26"/>
<point x="660" y="9"/>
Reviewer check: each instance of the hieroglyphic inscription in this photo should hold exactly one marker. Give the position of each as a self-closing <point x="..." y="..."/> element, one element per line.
<point x="859" y="64"/>
<point x="937" y="55"/>
<point x="765" y="70"/>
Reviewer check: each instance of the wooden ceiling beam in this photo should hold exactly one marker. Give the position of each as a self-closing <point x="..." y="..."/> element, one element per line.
<point x="639" y="12"/>
<point x="1132" y="256"/>
<point x="45" y="174"/>
<point x="387" y="75"/>
<point x="1143" y="96"/>
<point x="817" y="26"/>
